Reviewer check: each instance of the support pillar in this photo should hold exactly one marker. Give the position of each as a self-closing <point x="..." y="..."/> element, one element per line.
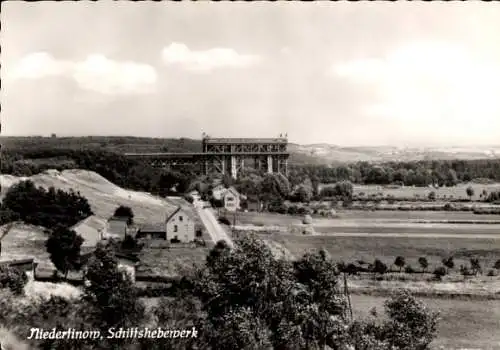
<point x="270" y="164"/>
<point x="234" y="169"/>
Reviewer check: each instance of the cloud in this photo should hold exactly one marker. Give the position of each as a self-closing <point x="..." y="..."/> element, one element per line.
<point x="203" y="61"/>
<point x="96" y="73"/>
<point x="429" y="83"/>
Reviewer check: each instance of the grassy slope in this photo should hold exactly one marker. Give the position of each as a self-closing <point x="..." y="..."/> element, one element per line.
<point x="103" y="196"/>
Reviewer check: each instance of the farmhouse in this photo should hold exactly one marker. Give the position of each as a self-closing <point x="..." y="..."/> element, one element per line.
<point x="180" y="226"/>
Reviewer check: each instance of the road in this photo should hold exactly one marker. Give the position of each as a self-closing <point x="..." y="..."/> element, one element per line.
<point x="214" y="229"/>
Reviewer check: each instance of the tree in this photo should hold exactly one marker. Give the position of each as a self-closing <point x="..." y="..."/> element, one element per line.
<point x="439" y="272"/>
<point x="344" y="189"/>
<point x="303" y="194"/>
<point x="125" y="212"/>
<point x="400" y="262"/>
<point x="432" y="196"/>
<point x="411" y="325"/>
<point x="46" y="208"/>
<point x="110" y="293"/>
<point x="497" y="264"/>
<point x="470" y="192"/>
<point x="249" y="280"/>
<point x="475" y="265"/>
<point x="63" y="247"/>
<point x="464" y="271"/>
<point x="424" y="264"/>
<point x="379" y="267"/>
<point x="448" y="262"/>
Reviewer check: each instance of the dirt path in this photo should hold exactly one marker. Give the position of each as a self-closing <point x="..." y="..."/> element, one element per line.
<point x="213" y="227"/>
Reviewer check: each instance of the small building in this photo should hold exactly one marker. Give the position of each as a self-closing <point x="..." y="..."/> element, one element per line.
<point x="152" y="232"/>
<point x="218" y="192"/>
<point x="26" y="265"/>
<point x="117" y="226"/>
<point x="92" y="229"/>
<point x="180" y="226"/>
<point x="231" y="199"/>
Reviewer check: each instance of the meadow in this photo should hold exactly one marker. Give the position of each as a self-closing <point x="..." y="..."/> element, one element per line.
<point x="368" y="248"/>
<point x="464" y="324"/>
<point x="456" y="192"/>
<point x="361" y="216"/>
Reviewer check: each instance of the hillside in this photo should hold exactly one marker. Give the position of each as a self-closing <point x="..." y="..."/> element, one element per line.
<point x="299" y="154"/>
<point x="103" y="196"/>
<point x="331" y="153"/>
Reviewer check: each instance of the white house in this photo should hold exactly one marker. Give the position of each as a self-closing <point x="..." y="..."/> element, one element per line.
<point x="180" y="226"/>
<point x="231" y="199"/>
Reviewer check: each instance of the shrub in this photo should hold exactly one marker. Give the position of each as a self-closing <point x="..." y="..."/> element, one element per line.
<point x="409" y="269"/>
<point x="497" y="264"/>
<point x="379" y="267"/>
<point x="439" y="272"/>
<point x="225" y="221"/>
<point x="491" y="273"/>
<point x="424" y="264"/>
<point x="13" y="279"/>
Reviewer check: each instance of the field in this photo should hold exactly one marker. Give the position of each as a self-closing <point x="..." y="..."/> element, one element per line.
<point x="269" y="219"/>
<point x="455" y="192"/>
<point x="360" y="235"/>
<point x="464" y="324"/>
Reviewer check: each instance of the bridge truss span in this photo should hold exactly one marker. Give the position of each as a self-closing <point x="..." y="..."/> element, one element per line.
<point x="228" y="156"/>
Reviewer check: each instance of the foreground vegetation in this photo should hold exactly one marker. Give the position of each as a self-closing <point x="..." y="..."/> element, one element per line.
<point x="241" y="299"/>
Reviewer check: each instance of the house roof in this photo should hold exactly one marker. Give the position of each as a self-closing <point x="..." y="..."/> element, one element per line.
<point x="152" y="228"/>
<point x="231" y="190"/>
<point x="179" y="209"/>
<point x="89" y="229"/>
<point x="15" y="262"/>
<point x="118" y="218"/>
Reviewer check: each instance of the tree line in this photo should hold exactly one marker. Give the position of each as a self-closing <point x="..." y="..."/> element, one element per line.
<point x="138" y="174"/>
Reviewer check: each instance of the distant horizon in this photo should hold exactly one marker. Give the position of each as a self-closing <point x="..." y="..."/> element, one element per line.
<point x="290" y="141"/>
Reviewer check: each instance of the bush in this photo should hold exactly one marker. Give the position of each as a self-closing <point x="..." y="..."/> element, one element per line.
<point x="13" y="279"/>
<point x="225" y="221"/>
<point x="439" y="272"/>
<point x="409" y="269"/>
<point x="491" y="273"/>
<point x="497" y="264"/>
<point x="379" y="267"/>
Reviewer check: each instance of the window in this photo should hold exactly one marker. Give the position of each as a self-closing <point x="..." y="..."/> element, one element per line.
<point x="180" y="218"/>
<point x="176" y="228"/>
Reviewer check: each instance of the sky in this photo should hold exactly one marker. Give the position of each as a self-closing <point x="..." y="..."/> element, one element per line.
<point x="344" y="73"/>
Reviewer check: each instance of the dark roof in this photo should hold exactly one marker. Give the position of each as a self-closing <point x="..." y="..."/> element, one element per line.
<point x="172" y="215"/>
<point x="118" y="218"/>
<point x="153" y="228"/>
<point x="17" y="262"/>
